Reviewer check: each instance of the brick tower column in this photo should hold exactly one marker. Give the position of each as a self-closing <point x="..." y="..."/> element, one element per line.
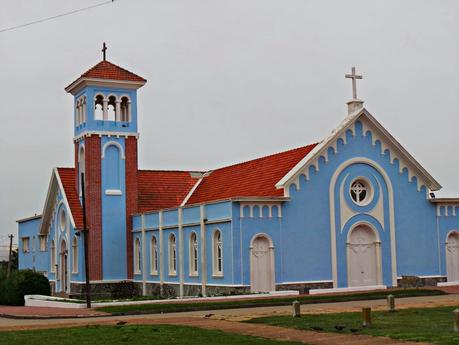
<point x="131" y="197"/>
<point x="94" y="205"/>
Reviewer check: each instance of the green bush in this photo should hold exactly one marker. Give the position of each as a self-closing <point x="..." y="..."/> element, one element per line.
<point x="21" y="283"/>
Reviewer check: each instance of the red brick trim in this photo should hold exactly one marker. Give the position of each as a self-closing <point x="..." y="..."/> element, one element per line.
<point x="131" y="197"/>
<point x="94" y="205"/>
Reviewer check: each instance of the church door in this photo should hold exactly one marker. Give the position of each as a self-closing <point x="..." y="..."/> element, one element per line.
<point x="363" y="257"/>
<point x="262" y="265"/>
<point x="64" y="264"/>
<point x="452" y="256"/>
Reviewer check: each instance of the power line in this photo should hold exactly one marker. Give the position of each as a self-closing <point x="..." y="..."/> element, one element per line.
<point x="56" y="16"/>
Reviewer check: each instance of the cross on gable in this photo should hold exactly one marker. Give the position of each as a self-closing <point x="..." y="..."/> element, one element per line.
<point x="354" y="78"/>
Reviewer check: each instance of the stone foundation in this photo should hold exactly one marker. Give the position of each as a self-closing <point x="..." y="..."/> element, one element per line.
<point x="304" y="288"/>
<point x="122" y="289"/>
<point x="173" y="290"/>
<point x="414" y="281"/>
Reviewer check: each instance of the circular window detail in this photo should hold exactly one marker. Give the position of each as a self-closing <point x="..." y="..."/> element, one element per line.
<point x="361" y="192"/>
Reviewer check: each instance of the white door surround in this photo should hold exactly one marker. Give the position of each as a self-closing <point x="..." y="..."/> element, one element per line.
<point x="452" y="256"/>
<point x="363" y="256"/>
<point x="262" y="273"/>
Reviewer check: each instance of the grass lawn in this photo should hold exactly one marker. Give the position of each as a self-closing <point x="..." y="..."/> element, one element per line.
<point x="138" y="335"/>
<point x="433" y="325"/>
<point x="261" y="302"/>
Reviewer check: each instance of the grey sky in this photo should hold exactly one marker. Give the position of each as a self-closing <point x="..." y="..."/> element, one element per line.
<point x="227" y="81"/>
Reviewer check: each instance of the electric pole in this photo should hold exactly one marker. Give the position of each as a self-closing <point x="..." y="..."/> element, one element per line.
<point x="10" y="256"/>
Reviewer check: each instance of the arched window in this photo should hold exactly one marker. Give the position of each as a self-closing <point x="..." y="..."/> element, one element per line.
<point x="193" y="254"/>
<point x="83" y="110"/>
<point x="217" y="253"/>
<point x="125" y="108"/>
<point x="78" y="112"/>
<point x="99" y="107"/>
<point x="53" y="256"/>
<point x="62" y="220"/>
<point x="172" y="255"/>
<point x="137" y="257"/>
<point x="111" y="108"/>
<point x="75" y="254"/>
<point x="112" y="163"/>
<point x="154" y="256"/>
<point x="81" y="168"/>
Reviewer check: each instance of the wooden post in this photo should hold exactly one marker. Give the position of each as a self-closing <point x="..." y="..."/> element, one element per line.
<point x="296" y="309"/>
<point x="456" y="320"/>
<point x="10" y="256"/>
<point x="85" y="233"/>
<point x="391" y="303"/>
<point x="366" y="317"/>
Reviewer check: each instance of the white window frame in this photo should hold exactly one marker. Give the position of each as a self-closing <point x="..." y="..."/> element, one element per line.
<point x="154" y="256"/>
<point x="53" y="256"/>
<point x="193" y="250"/>
<point x="42" y="242"/>
<point x="26" y="244"/>
<point x="75" y="255"/>
<point x="217" y="253"/>
<point x="172" y="255"/>
<point x="137" y="257"/>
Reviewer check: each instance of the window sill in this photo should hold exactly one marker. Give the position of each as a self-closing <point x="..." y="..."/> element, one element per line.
<point x="218" y="275"/>
<point x="75" y="272"/>
<point x="193" y="275"/>
<point x="138" y="272"/>
<point x="113" y="192"/>
<point x="154" y="273"/>
<point x="172" y="274"/>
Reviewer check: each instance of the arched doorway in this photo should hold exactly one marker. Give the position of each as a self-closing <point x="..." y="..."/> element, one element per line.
<point x="363" y="257"/>
<point x="64" y="266"/>
<point x="452" y="256"/>
<point x="262" y="264"/>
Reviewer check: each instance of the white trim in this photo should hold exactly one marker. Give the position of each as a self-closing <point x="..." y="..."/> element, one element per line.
<point x="190" y="193"/>
<point x="113" y="192"/>
<point x="82" y="82"/>
<point x="347" y="289"/>
<point x="104" y="133"/>
<point x="320" y="150"/>
<point x="448" y="284"/>
<point x="114" y="143"/>
<point x="391" y="215"/>
<point x="306" y="282"/>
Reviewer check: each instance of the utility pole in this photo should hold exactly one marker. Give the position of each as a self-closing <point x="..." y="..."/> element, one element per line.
<point x="10" y="256"/>
<point x="85" y="238"/>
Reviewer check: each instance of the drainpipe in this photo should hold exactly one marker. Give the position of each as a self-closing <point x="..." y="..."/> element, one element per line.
<point x="203" y="251"/>
<point x="161" y="266"/>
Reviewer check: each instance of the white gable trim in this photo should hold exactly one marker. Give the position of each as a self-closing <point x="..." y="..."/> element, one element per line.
<point x="54" y="185"/>
<point x="378" y="133"/>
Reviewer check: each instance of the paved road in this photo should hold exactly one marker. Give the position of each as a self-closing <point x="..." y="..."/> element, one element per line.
<point x="237" y="314"/>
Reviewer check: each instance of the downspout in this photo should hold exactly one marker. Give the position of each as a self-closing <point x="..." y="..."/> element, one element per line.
<point x="203" y="251"/>
<point x="438" y="239"/>
<point x="144" y="266"/>
<point x="161" y="255"/>
<point x="180" y="231"/>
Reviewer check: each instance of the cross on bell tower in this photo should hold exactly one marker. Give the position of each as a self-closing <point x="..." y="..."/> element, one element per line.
<point x="104" y="51"/>
<point x="354" y="104"/>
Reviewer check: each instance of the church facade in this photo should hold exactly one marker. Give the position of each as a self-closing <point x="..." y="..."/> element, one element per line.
<point x="354" y="211"/>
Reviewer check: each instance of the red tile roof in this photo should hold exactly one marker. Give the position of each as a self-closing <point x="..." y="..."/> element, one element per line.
<point x="67" y="176"/>
<point x="108" y="70"/>
<point x="163" y="189"/>
<point x="159" y="189"/>
<point x="255" y="178"/>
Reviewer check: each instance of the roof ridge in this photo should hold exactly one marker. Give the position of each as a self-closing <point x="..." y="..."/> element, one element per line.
<point x="172" y="170"/>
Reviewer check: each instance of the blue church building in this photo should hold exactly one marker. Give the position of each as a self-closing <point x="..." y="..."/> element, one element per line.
<point x="353" y="211"/>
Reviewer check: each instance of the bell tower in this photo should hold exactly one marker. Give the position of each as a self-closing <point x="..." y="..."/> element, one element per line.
<point x="105" y="138"/>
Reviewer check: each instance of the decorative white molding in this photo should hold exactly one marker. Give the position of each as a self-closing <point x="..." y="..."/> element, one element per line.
<point x="113" y="143"/>
<point x="104" y="133"/>
<point x="260" y="206"/>
<point x="347" y="289"/>
<point x="332" y="215"/>
<point x="369" y="123"/>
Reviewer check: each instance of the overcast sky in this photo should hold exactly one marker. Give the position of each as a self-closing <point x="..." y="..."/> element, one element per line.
<point x="227" y="81"/>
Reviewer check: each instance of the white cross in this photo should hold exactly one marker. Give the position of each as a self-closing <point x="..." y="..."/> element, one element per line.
<point x="354" y="78"/>
<point x="358" y="189"/>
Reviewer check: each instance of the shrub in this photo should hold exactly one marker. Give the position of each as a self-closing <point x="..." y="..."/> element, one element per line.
<point x="21" y="283"/>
